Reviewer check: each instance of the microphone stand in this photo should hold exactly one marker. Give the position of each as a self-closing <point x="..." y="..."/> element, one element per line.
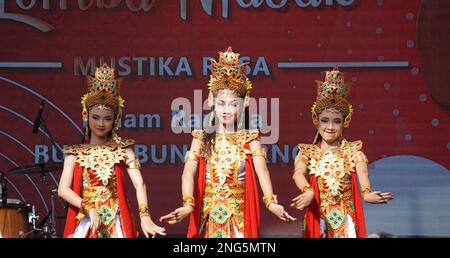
<point x="52" y="221"/>
<point x="51" y="229"/>
<point x="52" y="140"/>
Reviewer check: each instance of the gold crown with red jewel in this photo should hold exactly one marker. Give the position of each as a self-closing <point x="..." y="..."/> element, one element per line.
<point x="332" y="93"/>
<point x="227" y="73"/>
<point x="103" y="91"/>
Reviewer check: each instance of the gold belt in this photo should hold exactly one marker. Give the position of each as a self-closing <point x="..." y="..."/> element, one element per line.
<point x="224" y="191"/>
<point x="98" y="193"/>
<point x="327" y="199"/>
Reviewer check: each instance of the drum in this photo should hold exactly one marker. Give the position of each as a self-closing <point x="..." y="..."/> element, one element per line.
<point x="14" y="218"/>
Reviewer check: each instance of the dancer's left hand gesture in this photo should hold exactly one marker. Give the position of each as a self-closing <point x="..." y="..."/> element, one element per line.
<point x="278" y="210"/>
<point x="149" y="227"/>
<point x="378" y="197"/>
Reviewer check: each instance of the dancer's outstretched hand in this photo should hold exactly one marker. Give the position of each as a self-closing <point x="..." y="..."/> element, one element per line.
<point x="303" y="200"/>
<point x="177" y="215"/>
<point x="378" y="197"/>
<point x="278" y="210"/>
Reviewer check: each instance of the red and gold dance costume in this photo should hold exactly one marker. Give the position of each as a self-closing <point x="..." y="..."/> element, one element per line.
<point x="98" y="176"/>
<point x="226" y="202"/>
<point x="223" y="208"/>
<point x="332" y="172"/>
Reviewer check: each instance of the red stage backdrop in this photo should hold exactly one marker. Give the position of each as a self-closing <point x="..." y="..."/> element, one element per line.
<point x="395" y="52"/>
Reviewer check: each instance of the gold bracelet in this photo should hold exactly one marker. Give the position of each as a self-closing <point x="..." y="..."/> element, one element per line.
<point x="188" y="200"/>
<point x="259" y="152"/>
<point x="143" y="210"/>
<point x="86" y="206"/>
<point x="366" y="190"/>
<point x="270" y="199"/>
<point x="190" y="155"/>
<point x="307" y="188"/>
<point x="134" y="164"/>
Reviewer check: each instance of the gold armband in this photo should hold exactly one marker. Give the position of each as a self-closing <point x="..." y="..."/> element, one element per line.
<point x="188" y="200"/>
<point x="302" y="158"/>
<point x="361" y="158"/>
<point x="143" y="210"/>
<point x="307" y="188"/>
<point x="134" y="164"/>
<point x="366" y="190"/>
<point x="190" y="155"/>
<point x="270" y="199"/>
<point x="259" y="152"/>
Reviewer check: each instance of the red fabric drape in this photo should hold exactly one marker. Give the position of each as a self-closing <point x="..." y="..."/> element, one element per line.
<point x="125" y="214"/>
<point x="126" y="218"/>
<point x="194" y="223"/>
<point x="71" y="221"/>
<point x="312" y="220"/>
<point x="251" y="206"/>
<point x="359" y="212"/>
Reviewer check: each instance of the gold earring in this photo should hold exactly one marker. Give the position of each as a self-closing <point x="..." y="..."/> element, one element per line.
<point x="316" y="138"/>
<point x="241" y="120"/>
<point x="315" y="118"/>
<point x="86" y="134"/>
<point x="211" y="117"/>
<point x="210" y="99"/>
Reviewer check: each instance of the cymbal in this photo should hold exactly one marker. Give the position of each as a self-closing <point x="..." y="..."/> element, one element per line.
<point x="38" y="168"/>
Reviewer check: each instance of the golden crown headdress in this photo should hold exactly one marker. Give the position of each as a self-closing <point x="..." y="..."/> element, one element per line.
<point x="103" y="91"/>
<point x="227" y="73"/>
<point x="332" y="93"/>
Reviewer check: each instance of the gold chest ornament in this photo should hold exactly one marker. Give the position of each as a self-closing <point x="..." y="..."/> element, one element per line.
<point x="100" y="158"/>
<point x="331" y="169"/>
<point x="333" y="165"/>
<point x="225" y="158"/>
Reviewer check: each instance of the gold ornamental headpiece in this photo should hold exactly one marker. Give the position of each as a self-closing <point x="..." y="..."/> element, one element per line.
<point x="227" y="73"/>
<point x="103" y="91"/>
<point x="332" y="93"/>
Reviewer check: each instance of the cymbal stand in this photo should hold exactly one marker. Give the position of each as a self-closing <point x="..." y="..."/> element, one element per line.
<point x="32" y="217"/>
<point x="52" y="220"/>
<point x="52" y="140"/>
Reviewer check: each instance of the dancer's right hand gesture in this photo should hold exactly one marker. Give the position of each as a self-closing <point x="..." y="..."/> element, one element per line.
<point x="278" y="210"/>
<point x="95" y="220"/>
<point x="303" y="200"/>
<point x="177" y="215"/>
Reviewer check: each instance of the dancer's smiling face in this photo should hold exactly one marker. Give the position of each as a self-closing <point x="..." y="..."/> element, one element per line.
<point x="101" y="121"/>
<point x="330" y="125"/>
<point x="227" y="106"/>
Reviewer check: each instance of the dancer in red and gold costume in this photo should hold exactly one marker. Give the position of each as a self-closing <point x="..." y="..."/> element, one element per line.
<point x="229" y="158"/>
<point x="331" y="196"/>
<point x="92" y="181"/>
